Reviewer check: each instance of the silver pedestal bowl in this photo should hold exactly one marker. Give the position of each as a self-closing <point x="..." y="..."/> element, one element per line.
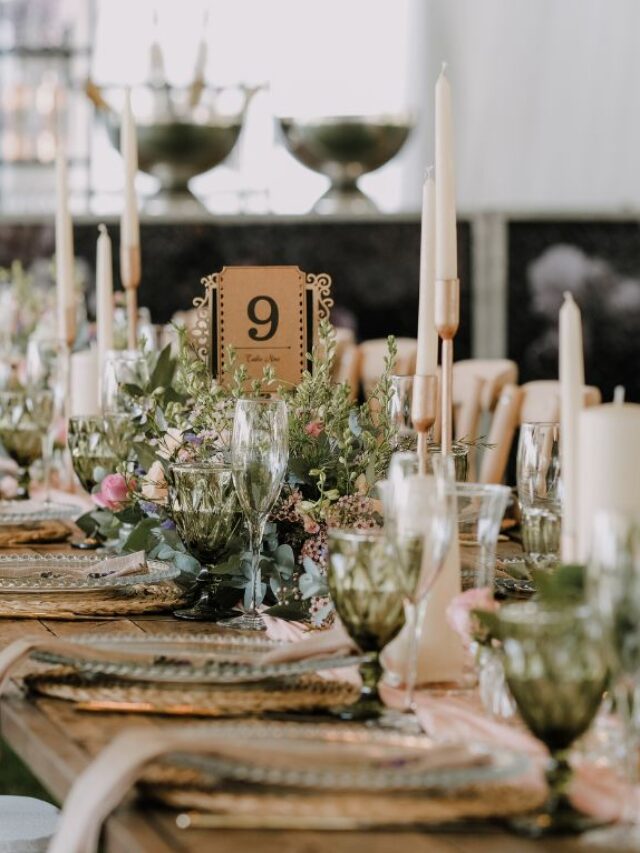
<point x="182" y="132"/>
<point x="344" y="148"/>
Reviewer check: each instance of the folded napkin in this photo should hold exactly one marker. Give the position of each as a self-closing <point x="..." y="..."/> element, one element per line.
<point x="127" y="564"/>
<point x="309" y="644"/>
<point x="101" y="787"/>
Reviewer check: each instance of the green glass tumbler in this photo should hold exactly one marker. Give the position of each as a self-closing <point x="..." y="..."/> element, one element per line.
<point x="205" y="509"/>
<point x="556" y="665"/>
<point x="369" y="585"/>
<point x="91" y="453"/>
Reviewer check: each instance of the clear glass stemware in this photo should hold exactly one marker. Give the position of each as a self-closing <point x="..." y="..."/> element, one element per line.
<point x="259" y="459"/>
<point x="47" y="369"/>
<point x="25" y="416"/>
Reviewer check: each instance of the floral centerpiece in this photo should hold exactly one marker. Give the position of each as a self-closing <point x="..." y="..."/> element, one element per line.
<point x="337" y="452"/>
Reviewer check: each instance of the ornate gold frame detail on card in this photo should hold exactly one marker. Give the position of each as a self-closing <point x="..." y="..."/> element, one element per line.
<point x="270" y="315"/>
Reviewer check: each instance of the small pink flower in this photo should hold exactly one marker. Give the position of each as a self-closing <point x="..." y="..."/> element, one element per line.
<point x="460" y="609"/>
<point x="114" y="491"/>
<point x="314" y="428"/>
<point x="310" y="525"/>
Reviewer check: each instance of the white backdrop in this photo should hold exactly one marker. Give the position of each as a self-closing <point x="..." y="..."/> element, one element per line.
<point x="547" y="101"/>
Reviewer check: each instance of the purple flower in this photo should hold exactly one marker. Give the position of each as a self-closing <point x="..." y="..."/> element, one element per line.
<point x="140" y="471"/>
<point x="148" y="508"/>
<point x="168" y="524"/>
<point x="192" y="438"/>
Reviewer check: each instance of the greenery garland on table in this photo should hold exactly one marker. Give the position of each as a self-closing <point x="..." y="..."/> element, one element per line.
<point x="337" y="452"/>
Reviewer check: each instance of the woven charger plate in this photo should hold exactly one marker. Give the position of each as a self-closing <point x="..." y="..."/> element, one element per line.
<point x="306" y="693"/>
<point x="128" y="601"/>
<point x="38" y="532"/>
<point x="488" y="800"/>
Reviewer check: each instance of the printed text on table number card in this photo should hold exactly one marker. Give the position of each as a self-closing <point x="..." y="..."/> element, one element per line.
<point x="261" y="314"/>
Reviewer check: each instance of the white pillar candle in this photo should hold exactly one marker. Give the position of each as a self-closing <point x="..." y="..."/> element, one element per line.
<point x="571" y="358"/>
<point x="104" y="298"/>
<point x="84" y="382"/>
<point x="65" y="289"/>
<point x="608" y="465"/>
<point x="446" y="240"/>
<point x="129" y="223"/>
<point x="427" y="357"/>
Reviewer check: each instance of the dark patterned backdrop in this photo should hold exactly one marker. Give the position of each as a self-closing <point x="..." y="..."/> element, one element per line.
<point x="374" y="265"/>
<point x="599" y="262"/>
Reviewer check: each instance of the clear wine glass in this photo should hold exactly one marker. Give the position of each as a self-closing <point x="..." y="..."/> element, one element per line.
<point x="420" y="522"/>
<point x="613" y="590"/>
<point x="259" y="458"/>
<point x="123" y="368"/>
<point x="47" y="369"/>
<point x="539" y="482"/>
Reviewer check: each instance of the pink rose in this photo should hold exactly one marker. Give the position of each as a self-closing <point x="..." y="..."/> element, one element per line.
<point x="114" y="491"/>
<point x="314" y="428"/>
<point x="460" y="609"/>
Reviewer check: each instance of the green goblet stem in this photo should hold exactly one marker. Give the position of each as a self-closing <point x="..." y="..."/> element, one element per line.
<point x="369" y="705"/>
<point x="24" y="482"/>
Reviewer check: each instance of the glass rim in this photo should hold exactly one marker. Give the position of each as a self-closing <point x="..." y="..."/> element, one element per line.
<point x="543" y="614"/>
<point x="539" y="424"/>
<point x="201" y="466"/>
<point x="480" y="489"/>
<point x="76" y="418"/>
<point x="124" y="353"/>
<point x="25" y="392"/>
<point x="261" y="400"/>
<point x="356" y="534"/>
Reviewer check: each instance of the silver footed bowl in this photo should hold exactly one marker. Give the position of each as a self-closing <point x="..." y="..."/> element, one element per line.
<point x="344" y="148"/>
<point x="182" y="131"/>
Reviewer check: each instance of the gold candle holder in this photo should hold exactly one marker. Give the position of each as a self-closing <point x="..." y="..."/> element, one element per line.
<point x="447" y="317"/>
<point x="130" y="272"/>
<point x="424" y="404"/>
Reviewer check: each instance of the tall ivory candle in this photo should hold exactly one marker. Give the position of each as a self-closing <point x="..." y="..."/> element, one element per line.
<point x="608" y="465"/>
<point x="84" y="382"/>
<point x="65" y="290"/>
<point x="427" y="357"/>
<point x="129" y="222"/>
<point x="446" y="240"/>
<point x="571" y="383"/>
<point x="104" y="299"/>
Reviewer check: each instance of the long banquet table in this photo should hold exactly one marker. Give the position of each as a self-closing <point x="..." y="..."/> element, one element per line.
<point x="56" y="743"/>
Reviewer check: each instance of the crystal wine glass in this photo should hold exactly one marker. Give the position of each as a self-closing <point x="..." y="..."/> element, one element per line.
<point x="24" y="418"/>
<point x="259" y="458"/>
<point x="540" y="493"/>
<point x="47" y="368"/>
<point x="204" y="505"/>
<point x="556" y="665"/>
<point x="613" y="590"/>
<point x="420" y="522"/>
<point x="122" y="369"/>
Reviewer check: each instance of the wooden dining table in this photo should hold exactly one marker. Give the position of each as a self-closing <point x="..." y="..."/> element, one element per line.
<point x="56" y="742"/>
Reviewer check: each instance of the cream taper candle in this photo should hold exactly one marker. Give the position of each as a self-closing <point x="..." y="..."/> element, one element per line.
<point x="65" y="289"/>
<point x="427" y="356"/>
<point x="129" y="223"/>
<point x="608" y="465"/>
<point x="446" y="239"/>
<point x="104" y="299"/>
<point x="571" y="359"/>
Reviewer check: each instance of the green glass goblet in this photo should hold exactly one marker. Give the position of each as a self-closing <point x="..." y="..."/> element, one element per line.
<point x="91" y="454"/>
<point x="204" y="506"/>
<point x="25" y="417"/>
<point x="369" y="585"/>
<point x="556" y="665"/>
